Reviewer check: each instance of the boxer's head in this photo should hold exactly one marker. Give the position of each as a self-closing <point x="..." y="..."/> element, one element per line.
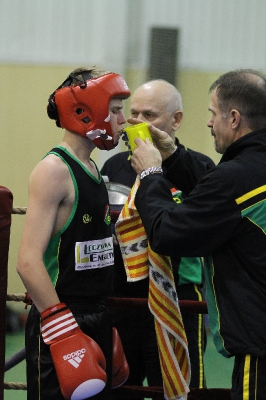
<point x="81" y="104"/>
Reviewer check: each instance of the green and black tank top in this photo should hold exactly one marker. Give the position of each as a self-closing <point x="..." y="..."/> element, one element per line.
<point x="79" y="258"/>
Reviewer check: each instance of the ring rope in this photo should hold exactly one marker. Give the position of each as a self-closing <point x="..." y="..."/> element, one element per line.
<point x="15" y="386"/>
<point x="198" y="307"/>
<point x="15" y="359"/>
<point x="15" y="297"/>
<point x="19" y="210"/>
<point x="152" y="391"/>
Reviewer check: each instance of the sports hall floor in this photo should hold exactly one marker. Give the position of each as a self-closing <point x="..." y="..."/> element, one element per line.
<point x="218" y="369"/>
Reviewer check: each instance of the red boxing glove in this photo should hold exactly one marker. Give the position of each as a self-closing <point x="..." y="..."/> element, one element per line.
<point x="120" y="368"/>
<point x="79" y="362"/>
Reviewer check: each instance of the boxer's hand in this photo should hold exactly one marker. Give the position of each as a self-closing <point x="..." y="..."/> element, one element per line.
<point x="79" y="362"/>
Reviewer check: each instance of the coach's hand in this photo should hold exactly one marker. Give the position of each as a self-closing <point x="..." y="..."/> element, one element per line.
<point x="161" y="139"/>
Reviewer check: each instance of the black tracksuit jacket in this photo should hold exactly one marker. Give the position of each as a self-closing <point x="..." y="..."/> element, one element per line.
<point x="223" y="219"/>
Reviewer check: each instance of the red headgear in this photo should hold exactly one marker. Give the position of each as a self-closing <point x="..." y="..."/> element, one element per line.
<point x="84" y="108"/>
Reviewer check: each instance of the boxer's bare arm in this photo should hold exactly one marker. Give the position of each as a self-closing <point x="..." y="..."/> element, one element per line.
<point x="50" y="196"/>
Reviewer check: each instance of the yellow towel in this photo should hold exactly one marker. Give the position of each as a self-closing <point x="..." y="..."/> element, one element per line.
<point x="140" y="262"/>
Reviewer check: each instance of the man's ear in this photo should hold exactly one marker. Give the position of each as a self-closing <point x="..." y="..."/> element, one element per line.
<point x="235" y="118"/>
<point x="177" y="119"/>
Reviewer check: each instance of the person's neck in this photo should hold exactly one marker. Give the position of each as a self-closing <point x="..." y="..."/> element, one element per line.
<point x="242" y="131"/>
<point x="80" y="147"/>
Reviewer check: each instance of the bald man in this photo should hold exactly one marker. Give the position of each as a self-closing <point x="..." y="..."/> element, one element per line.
<point x="159" y="103"/>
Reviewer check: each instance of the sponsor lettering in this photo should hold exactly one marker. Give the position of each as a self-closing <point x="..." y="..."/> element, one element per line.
<point x="96" y="247"/>
<point x="100" y="257"/>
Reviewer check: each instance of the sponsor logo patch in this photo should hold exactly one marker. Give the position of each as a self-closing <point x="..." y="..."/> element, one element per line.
<point x="94" y="254"/>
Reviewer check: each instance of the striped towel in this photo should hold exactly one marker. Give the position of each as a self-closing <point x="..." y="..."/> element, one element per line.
<point x="140" y="262"/>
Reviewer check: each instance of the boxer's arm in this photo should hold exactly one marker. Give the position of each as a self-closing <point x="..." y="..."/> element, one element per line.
<point x="47" y="188"/>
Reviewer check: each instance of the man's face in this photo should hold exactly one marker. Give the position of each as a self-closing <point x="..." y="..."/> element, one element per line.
<point x="117" y="118"/>
<point x="220" y="126"/>
<point x="149" y="106"/>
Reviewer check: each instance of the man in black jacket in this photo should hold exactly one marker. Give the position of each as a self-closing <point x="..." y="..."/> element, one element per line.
<point x="223" y="218"/>
<point x="160" y="103"/>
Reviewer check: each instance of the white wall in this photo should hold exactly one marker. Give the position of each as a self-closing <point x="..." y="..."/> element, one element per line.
<point x="214" y="34"/>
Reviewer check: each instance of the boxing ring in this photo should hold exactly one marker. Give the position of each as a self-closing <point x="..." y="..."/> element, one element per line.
<point x="6" y="211"/>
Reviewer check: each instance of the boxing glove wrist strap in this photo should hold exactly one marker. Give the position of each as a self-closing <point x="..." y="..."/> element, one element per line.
<point x="57" y="323"/>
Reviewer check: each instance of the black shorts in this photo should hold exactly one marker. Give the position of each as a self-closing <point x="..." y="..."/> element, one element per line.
<point x="248" y="380"/>
<point x="42" y="381"/>
<point x="194" y="325"/>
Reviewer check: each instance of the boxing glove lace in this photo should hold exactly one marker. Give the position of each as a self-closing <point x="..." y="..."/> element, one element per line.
<point x="79" y="362"/>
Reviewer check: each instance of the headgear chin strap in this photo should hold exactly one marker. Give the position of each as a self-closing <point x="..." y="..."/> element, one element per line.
<point x="84" y="108"/>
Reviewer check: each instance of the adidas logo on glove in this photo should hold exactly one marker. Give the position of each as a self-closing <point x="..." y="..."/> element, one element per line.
<point x="75" y="357"/>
